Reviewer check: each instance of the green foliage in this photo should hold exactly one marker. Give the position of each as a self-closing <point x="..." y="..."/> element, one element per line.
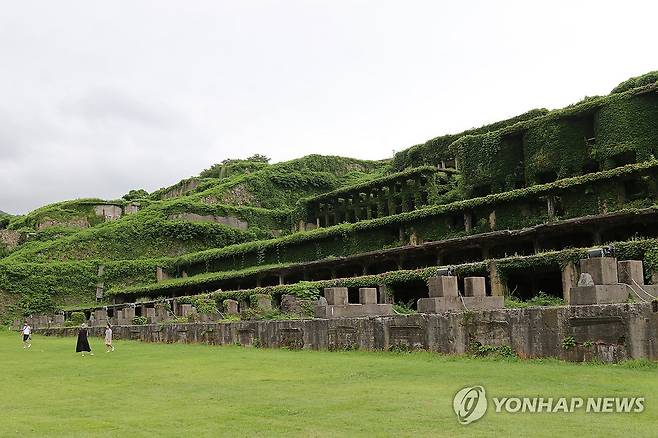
<point x="136" y="194"/>
<point x="145" y="234"/>
<point x="568" y="343"/>
<point x="204" y="305"/>
<point x="438" y="149"/>
<point x="501" y="351"/>
<point x="404" y="308"/>
<point x="636" y="82"/>
<point x="76" y="319"/>
<point x="140" y="320"/>
<point x="231" y="167"/>
<point x="541" y="299"/>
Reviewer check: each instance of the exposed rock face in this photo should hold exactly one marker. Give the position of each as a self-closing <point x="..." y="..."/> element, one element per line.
<point x="10" y="238"/>
<point x="231" y="221"/>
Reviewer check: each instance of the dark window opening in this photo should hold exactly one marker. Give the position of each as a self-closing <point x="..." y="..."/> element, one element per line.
<point x="629" y="231"/>
<point x="481" y="190"/>
<point x="353" y="295"/>
<point x="512" y="249"/>
<point x="424" y="197"/>
<point x="529" y="282"/>
<point x="546" y="177"/>
<point x="110" y="313"/>
<point x="349" y="271"/>
<point x="409" y="292"/>
<point x="459" y="256"/>
<point x="381" y="266"/>
<point x="577" y="239"/>
<point x="591" y="167"/>
<point x="374" y="211"/>
<point x="138" y="311"/>
<point x="621" y="159"/>
<point x="419" y="261"/>
<point x="455" y="222"/>
<point x="320" y="274"/>
<point x="635" y="189"/>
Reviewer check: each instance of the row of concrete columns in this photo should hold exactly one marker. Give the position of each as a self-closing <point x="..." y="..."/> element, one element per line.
<point x="408" y="194"/>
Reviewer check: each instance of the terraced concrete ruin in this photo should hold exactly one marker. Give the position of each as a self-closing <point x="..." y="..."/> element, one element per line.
<point x="550" y="207"/>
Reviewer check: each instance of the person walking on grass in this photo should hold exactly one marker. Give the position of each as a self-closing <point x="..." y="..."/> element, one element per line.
<point x="83" y="344"/>
<point x="108" y="339"/>
<point x="27" y="335"/>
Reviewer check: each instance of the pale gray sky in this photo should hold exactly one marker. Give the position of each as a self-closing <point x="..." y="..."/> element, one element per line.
<point x="99" y="97"/>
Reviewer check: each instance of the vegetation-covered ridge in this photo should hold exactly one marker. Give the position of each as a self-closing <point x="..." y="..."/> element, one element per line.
<point x="241" y="215"/>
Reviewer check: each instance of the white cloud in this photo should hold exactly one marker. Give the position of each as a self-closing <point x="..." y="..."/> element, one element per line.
<point x="101" y="97"/>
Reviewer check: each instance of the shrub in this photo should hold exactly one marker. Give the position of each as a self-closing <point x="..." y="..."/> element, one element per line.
<point x="140" y="320"/>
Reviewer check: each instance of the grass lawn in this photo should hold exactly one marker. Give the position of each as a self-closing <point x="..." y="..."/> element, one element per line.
<point x="198" y="390"/>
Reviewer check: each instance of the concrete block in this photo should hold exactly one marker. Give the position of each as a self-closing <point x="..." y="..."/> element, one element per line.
<point x="336" y="296"/>
<point x="475" y="287"/>
<point x="599" y="294"/>
<point x="262" y="301"/>
<point x="368" y="295"/>
<point x="149" y="312"/>
<point x="630" y="272"/>
<point x="231" y="307"/>
<point x="353" y="310"/>
<point x="455" y="304"/>
<point x="185" y="309"/>
<point x="128" y="313"/>
<point x="602" y="269"/>
<point x="443" y="286"/>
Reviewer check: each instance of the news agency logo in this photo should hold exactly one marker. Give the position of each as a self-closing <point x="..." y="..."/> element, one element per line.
<point x="470" y="404"/>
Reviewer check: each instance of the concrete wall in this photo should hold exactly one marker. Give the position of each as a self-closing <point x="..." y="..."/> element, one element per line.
<point x="231" y="221"/>
<point x="606" y="332"/>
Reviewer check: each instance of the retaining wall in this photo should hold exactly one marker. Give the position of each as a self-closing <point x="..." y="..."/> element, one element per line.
<point x="605" y="332"/>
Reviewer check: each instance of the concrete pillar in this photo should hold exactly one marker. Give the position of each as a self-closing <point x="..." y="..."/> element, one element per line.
<point x="570" y="276"/>
<point x="149" y="313"/>
<point x="468" y="222"/>
<point x="630" y="272"/>
<point x="498" y="286"/>
<point x="550" y="207"/>
<point x="385" y="295"/>
<point x="281" y="279"/>
<point x="336" y="296"/>
<point x="262" y="301"/>
<point x="475" y="287"/>
<point x="185" y="309"/>
<point x="492" y="220"/>
<point x="443" y="286"/>
<point x="602" y="269"/>
<point x="367" y="295"/>
<point x="231" y="307"/>
<point x="160" y="274"/>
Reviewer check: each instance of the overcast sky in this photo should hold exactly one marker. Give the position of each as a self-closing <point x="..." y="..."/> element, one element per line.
<point x="98" y="97"/>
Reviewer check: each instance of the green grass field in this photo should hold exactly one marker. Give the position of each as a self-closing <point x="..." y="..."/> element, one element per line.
<point x="198" y="390"/>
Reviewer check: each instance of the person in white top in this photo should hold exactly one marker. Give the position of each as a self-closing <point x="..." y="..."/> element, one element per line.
<point x="27" y="335"/>
<point x="108" y="339"/>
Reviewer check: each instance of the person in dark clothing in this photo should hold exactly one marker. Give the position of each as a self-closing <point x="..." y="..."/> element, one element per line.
<point x="83" y="344"/>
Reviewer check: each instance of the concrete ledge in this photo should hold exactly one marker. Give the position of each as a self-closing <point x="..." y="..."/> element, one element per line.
<point x="605" y="332"/>
<point x="599" y="294"/>
<point x="354" y="310"/>
<point x="455" y="304"/>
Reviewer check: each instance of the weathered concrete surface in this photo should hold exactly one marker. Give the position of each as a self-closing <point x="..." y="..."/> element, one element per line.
<point x="10" y="238"/>
<point x="602" y="269"/>
<point x="230" y="221"/>
<point x="459" y="304"/>
<point x="77" y="222"/>
<point x="606" y="332"/>
<point x="599" y="294"/>
<point x="108" y="212"/>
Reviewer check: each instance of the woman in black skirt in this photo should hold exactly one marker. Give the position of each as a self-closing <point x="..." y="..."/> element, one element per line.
<point x="83" y="344"/>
